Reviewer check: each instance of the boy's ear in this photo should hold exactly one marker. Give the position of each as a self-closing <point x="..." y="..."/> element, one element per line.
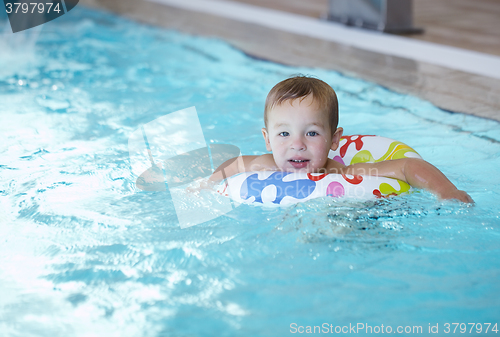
<point x="336" y="138"/>
<point x="266" y="138"/>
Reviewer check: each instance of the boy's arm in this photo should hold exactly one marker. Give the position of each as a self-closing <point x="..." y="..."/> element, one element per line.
<point x="416" y="172"/>
<point x="243" y="164"/>
<point x="227" y="169"/>
<point x="231" y="167"/>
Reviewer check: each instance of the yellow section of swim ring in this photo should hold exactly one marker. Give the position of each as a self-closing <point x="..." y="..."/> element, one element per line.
<point x="397" y="150"/>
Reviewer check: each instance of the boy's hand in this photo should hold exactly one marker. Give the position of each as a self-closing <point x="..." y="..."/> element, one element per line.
<point x="457" y="195"/>
<point x="200" y="185"/>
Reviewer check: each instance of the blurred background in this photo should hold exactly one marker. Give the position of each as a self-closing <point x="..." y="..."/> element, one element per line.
<point x="468" y="24"/>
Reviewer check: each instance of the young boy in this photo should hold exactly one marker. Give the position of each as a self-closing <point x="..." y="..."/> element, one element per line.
<point x="301" y="117"/>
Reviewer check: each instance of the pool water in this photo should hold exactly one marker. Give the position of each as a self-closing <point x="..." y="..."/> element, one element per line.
<point x="83" y="252"/>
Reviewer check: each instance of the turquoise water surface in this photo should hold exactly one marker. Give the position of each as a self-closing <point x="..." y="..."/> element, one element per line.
<point x="83" y="252"/>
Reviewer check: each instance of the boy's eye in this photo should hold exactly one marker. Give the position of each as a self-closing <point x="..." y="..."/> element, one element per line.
<point x="284" y="134"/>
<point x="312" y="133"/>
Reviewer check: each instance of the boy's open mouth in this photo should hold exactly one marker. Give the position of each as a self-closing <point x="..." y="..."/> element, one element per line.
<point x="298" y="163"/>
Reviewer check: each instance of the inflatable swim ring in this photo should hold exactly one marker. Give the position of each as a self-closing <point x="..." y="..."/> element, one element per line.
<point x="284" y="188"/>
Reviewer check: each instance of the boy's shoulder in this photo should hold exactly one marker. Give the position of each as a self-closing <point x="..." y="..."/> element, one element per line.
<point x="333" y="166"/>
<point x="259" y="163"/>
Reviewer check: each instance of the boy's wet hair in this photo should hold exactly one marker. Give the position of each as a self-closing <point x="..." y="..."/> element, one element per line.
<point x="299" y="87"/>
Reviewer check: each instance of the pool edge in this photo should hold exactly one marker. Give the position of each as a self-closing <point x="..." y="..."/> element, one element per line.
<point x="449" y="89"/>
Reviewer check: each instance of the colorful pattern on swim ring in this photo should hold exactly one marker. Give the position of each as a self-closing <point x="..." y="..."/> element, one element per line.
<point x="284" y="188"/>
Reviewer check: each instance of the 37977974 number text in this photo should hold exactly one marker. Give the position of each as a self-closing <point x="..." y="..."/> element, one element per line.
<point x="470" y="328"/>
<point x="36" y="7"/>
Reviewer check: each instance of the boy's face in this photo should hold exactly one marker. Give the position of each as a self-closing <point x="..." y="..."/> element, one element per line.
<point x="299" y="135"/>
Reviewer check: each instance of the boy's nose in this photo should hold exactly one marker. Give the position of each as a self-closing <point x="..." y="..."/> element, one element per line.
<point x="298" y="144"/>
